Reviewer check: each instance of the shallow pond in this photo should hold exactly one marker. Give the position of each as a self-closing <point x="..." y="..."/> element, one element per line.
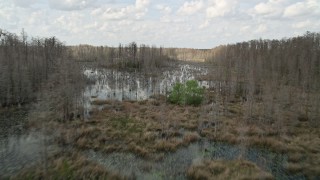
<point x="19" y="147"/>
<point x="110" y="84"/>
<point x="19" y="151"/>
<point x="121" y="85"/>
<point x="174" y="165"/>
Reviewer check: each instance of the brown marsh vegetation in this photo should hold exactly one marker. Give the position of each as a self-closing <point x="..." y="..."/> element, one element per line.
<point x="67" y="165"/>
<point x="236" y="169"/>
<point x="154" y="126"/>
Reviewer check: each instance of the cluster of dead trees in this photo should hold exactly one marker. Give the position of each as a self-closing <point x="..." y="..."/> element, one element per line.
<point x="25" y="65"/>
<point x="141" y="57"/>
<point x="277" y="73"/>
<point x="38" y="70"/>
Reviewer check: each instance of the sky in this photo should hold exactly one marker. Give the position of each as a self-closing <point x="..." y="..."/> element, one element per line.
<point x="168" y="23"/>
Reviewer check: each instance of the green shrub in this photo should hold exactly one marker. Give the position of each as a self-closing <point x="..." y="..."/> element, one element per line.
<point x="189" y="93"/>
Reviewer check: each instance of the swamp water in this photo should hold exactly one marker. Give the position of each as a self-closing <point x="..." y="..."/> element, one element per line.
<point x="121" y="85"/>
<point x="174" y="165"/>
<point x="19" y="151"/>
<point x="18" y="148"/>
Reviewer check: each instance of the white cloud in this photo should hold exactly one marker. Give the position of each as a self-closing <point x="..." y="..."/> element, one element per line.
<point x="71" y="23"/>
<point x="245" y="29"/>
<point x="302" y="8"/>
<point x="9" y="19"/>
<point x="136" y="11"/>
<point x="220" y="8"/>
<point x="69" y="5"/>
<point x="262" y="28"/>
<point x="271" y="8"/>
<point x="189" y="8"/>
<point x="24" y="3"/>
<point x="204" y="23"/>
<point x="266" y="8"/>
<point x="302" y="24"/>
<point x="173" y="19"/>
<point x="142" y="4"/>
<point x="114" y="14"/>
<point x="164" y="9"/>
<point x="37" y="17"/>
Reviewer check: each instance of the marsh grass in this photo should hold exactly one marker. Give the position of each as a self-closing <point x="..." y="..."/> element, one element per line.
<point x="238" y="169"/>
<point x="147" y="128"/>
<point x="69" y="165"/>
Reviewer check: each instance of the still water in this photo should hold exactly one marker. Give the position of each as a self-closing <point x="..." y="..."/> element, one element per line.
<point x="121" y="85"/>
<point x="174" y="165"/>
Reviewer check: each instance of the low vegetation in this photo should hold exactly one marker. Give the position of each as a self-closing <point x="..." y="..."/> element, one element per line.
<point x="142" y="127"/>
<point x="237" y="169"/>
<point x="68" y="165"/>
<point x="187" y="94"/>
<point x="147" y="128"/>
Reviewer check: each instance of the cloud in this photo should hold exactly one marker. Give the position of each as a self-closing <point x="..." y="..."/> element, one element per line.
<point x="37" y="17"/>
<point x="182" y="23"/>
<point x="266" y="8"/>
<point x="245" y="28"/>
<point x="220" y="8"/>
<point x="302" y="24"/>
<point x="173" y="19"/>
<point x="262" y="28"/>
<point x="70" y="5"/>
<point x="9" y="19"/>
<point x="136" y="11"/>
<point x="164" y="9"/>
<point x="115" y="14"/>
<point x="271" y="8"/>
<point x="302" y="8"/>
<point x="204" y="24"/>
<point x="189" y="8"/>
<point x="142" y="4"/>
<point x="24" y="3"/>
<point x="71" y="23"/>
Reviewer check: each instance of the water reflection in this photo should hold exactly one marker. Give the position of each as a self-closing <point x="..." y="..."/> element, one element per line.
<point x="19" y="147"/>
<point x="18" y="151"/>
<point x="120" y="85"/>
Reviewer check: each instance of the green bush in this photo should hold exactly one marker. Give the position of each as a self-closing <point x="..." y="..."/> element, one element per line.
<point x="189" y="93"/>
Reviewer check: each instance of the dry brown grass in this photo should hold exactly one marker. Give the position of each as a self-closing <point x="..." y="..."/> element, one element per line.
<point x="69" y="165"/>
<point x="190" y="137"/>
<point x="140" y="127"/>
<point x="168" y="145"/>
<point x="137" y="149"/>
<point x="226" y="170"/>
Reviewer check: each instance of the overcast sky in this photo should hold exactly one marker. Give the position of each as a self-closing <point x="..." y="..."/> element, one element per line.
<point x="169" y="23"/>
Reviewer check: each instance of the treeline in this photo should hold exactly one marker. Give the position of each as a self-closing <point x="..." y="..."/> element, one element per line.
<point x="278" y="72"/>
<point x="189" y="54"/>
<point x="34" y="69"/>
<point x="141" y="57"/>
